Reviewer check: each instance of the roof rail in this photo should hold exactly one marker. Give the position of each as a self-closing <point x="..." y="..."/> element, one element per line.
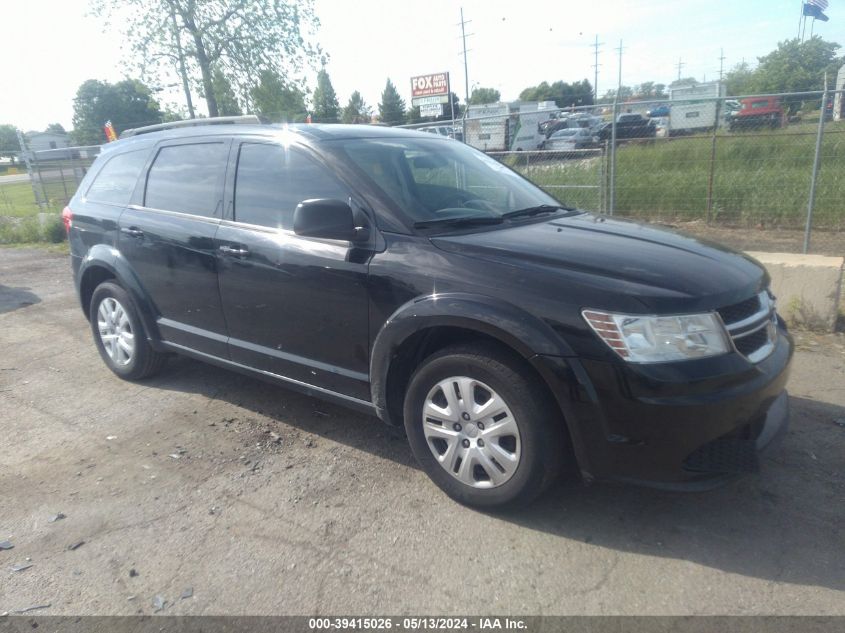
<point x="249" y="118"/>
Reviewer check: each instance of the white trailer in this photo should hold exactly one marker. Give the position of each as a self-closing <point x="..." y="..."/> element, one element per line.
<point x="695" y="108"/>
<point x="507" y="126"/>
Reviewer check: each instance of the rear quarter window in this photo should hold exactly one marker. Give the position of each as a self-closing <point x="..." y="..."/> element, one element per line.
<point x="116" y="181"/>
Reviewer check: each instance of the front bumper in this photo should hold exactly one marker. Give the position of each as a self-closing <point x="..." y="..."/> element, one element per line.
<point x="690" y="425"/>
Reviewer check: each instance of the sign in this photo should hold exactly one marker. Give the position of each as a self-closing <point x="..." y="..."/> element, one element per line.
<point x="432" y="109"/>
<point x="427" y="86"/>
<point x="423" y="101"/>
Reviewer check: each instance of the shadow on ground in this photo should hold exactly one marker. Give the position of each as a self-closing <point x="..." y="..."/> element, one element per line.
<point x="782" y="525"/>
<point x="12" y="299"/>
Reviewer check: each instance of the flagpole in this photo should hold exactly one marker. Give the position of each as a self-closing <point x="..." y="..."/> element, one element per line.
<point x="800" y="17"/>
<point x="812" y="24"/>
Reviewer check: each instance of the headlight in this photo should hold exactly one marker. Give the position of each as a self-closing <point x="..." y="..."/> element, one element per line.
<point x="660" y="339"/>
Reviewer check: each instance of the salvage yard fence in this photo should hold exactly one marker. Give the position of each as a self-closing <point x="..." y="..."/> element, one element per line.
<point x="774" y="182"/>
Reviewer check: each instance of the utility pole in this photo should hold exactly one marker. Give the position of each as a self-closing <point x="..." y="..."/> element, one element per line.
<point x="596" y="69"/>
<point x="681" y="64"/>
<point x="721" y="64"/>
<point x="464" y="40"/>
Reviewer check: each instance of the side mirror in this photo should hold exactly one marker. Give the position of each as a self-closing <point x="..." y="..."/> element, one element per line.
<point x="326" y="218"/>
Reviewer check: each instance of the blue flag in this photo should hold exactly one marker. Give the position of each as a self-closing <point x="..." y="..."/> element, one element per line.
<point x="815" y="12"/>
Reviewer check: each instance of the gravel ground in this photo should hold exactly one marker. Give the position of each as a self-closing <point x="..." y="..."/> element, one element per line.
<point x="257" y="500"/>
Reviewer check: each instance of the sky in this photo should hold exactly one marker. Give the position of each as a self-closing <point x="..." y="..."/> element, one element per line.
<point x="53" y="45"/>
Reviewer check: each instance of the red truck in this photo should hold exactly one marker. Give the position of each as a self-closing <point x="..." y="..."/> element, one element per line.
<point x="757" y="112"/>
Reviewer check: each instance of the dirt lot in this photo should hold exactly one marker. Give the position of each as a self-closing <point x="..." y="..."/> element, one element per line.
<point x="263" y="501"/>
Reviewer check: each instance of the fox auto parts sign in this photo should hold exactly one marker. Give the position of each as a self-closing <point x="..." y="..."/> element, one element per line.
<point x="430" y="89"/>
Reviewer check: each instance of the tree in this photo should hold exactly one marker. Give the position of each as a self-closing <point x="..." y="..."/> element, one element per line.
<point x="326" y="107"/>
<point x="684" y="81"/>
<point x="128" y="103"/>
<point x="796" y="66"/>
<point x="579" y="93"/>
<point x="392" y="107"/>
<point x="356" y="111"/>
<point x="413" y="115"/>
<point x="650" y="90"/>
<point x="738" y="80"/>
<point x="55" y="128"/>
<point x="227" y="102"/>
<point x="625" y="93"/>
<point x="278" y="101"/>
<point x="9" y="147"/>
<point x="243" y="38"/>
<point x="480" y="96"/>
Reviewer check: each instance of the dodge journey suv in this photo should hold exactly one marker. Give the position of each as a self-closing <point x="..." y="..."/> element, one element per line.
<point x="417" y="279"/>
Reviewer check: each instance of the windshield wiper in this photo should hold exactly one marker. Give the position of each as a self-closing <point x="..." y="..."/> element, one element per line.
<point x="467" y="220"/>
<point x="532" y="211"/>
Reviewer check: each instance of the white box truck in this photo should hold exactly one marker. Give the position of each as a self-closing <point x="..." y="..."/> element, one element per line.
<point x="694" y="108"/>
<point x="507" y="126"/>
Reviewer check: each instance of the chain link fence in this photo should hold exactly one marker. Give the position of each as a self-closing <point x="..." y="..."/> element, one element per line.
<point x="747" y="171"/>
<point x="761" y="172"/>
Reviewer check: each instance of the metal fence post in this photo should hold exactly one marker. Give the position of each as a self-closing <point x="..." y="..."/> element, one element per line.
<point x="816" y="161"/>
<point x="712" y="165"/>
<point x="611" y="206"/>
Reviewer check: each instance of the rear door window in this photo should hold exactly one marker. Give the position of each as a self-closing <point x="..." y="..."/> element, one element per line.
<point x="188" y="178"/>
<point x="272" y="180"/>
<point x="116" y="181"/>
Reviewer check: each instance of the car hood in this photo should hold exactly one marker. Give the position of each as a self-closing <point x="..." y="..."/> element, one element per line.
<point x="657" y="267"/>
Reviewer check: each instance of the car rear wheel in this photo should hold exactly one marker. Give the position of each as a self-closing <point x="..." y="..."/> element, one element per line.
<point x="482" y="427"/>
<point x="119" y="334"/>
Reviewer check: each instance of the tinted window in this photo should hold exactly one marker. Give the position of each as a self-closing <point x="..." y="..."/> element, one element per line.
<point x="272" y="180"/>
<point x="116" y="180"/>
<point x="187" y="178"/>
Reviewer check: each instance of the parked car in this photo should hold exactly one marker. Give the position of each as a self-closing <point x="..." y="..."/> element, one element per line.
<point x="758" y="112"/>
<point x="570" y="139"/>
<point x="417" y="279"/>
<point x="628" y="126"/>
<point x="661" y="126"/>
<point x="659" y="111"/>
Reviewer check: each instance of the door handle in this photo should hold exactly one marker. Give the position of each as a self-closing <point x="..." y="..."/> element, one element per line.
<point x="234" y="252"/>
<point x="132" y="231"/>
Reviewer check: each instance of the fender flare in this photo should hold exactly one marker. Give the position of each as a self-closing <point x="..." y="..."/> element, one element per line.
<point x="111" y="259"/>
<point x="512" y="326"/>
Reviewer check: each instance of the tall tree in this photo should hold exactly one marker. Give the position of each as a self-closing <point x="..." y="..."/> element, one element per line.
<point x="278" y="101"/>
<point x="738" y="80"/>
<point x="326" y="107"/>
<point x="356" y="111"/>
<point x="391" y="109"/>
<point x="564" y="94"/>
<point x="55" y="128"/>
<point x="227" y="102"/>
<point x="480" y="96"/>
<point x="241" y="37"/>
<point x="9" y="147"/>
<point x="796" y="66"/>
<point x="128" y="103"/>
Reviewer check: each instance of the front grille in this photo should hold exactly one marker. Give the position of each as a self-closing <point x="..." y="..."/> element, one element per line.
<point x="750" y="324"/>
<point x="724" y="455"/>
<point x="749" y="344"/>
<point x="740" y="311"/>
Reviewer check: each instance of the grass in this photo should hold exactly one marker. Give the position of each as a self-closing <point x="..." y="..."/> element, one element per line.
<point x="760" y="178"/>
<point x="23" y="221"/>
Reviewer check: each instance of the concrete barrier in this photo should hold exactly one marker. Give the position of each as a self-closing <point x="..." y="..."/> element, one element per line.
<point x="808" y="287"/>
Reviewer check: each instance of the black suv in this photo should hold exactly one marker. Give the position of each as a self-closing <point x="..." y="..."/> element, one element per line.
<point x="417" y="279"/>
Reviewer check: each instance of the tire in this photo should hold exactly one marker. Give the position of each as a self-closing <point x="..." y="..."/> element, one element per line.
<point x="123" y="343"/>
<point x="524" y="463"/>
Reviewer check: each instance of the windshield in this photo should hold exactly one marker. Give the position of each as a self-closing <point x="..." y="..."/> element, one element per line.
<point x="431" y="181"/>
<point x="570" y="132"/>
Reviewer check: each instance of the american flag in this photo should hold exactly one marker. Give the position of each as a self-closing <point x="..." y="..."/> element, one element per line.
<point x="821" y="4"/>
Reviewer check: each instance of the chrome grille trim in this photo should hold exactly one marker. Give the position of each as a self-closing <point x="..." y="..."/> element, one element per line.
<point x="765" y="317"/>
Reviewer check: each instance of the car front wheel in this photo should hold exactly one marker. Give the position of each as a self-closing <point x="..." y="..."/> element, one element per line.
<point x="482" y="427"/>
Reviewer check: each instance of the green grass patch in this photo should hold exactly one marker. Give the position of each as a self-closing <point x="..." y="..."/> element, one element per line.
<point x="759" y="178"/>
<point x="17" y="200"/>
<point x="39" y="228"/>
